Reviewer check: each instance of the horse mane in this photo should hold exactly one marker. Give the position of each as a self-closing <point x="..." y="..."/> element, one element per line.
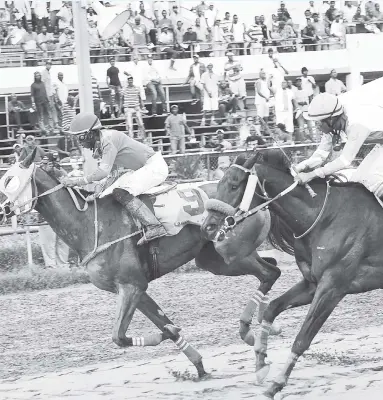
<point x="274" y="158"/>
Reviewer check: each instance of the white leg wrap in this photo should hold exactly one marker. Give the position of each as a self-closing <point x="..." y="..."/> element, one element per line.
<point x="138" y="341"/>
<point x="182" y="344"/>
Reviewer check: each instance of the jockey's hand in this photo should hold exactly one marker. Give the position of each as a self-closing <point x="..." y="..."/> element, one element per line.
<point x="71" y="182"/>
<point x="304" y="177"/>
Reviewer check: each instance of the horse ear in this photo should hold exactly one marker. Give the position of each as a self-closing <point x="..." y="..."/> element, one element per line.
<point x="26" y="163"/>
<point x="251" y="161"/>
<point x="240" y="160"/>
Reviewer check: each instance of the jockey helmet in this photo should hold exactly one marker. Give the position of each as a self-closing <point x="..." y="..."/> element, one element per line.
<point x="84" y="122"/>
<point x="324" y="106"/>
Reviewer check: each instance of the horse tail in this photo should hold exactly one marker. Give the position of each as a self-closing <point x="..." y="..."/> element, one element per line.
<point x="280" y="235"/>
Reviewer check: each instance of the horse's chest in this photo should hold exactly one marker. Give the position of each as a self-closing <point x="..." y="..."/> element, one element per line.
<point x="305" y="269"/>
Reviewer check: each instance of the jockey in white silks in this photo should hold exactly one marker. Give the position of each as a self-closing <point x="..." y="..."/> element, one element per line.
<point x="357" y="122"/>
<point x="119" y="150"/>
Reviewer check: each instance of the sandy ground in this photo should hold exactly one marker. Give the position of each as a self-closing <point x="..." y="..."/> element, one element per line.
<point x="56" y="344"/>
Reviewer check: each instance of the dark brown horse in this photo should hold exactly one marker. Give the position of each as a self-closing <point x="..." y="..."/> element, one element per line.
<point x="338" y="245"/>
<point x="126" y="269"/>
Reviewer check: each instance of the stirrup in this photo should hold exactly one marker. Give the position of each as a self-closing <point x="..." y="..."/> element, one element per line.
<point x="145" y="240"/>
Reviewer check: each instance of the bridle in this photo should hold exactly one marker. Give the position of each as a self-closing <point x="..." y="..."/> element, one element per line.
<point x="241" y="214"/>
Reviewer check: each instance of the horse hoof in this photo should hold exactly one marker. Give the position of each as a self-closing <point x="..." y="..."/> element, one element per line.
<point x="261" y="374"/>
<point x="275" y="330"/>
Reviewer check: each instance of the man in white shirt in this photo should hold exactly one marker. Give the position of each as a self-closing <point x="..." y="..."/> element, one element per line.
<point x="337" y="32"/>
<point x="40" y="9"/>
<point x="285" y="105"/>
<point x="65" y="16"/>
<point x="211" y="15"/>
<point x="238" y="33"/>
<point x="210" y="82"/>
<point x="219" y="39"/>
<point x="152" y="80"/>
<point x="312" y="7"/>
<point x="46" y="78"/>
<point x="166" y="42"/>
<point x="335" y="86"/>
<point x="54" y="7"/>
<point x="308" y="83"/>
<point x="349" y="11"/>
<point x="276" y="71"/>
<point x="16" y="33"/>
<point x="47" y="42"/>
<point x="61" y="94"/>
<point x="196" y="70"/>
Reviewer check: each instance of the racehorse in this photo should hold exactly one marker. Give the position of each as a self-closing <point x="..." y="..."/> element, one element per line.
<point x="337" y="244"/>
<point x="105" y="238"/>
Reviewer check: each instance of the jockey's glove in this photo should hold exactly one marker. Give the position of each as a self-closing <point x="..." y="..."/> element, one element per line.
<point x="71" y="182"/>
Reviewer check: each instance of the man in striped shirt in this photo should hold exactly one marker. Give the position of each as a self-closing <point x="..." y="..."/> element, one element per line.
<point x="132" y="105"/>
<point x="96" y="93"/>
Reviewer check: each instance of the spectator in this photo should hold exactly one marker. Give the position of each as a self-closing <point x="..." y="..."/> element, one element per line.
<point x="227" y="102"/>
<point x="285" y="105"/>
<point x="202" y="19"/>
<point x="249" y="131"/>
<point x="238" y="34"/>
<point x="262" y="95"/>
<point x="29" y="44"/>
<point x="132" y="105"/>
<point x="165" y="21"/>
<point x="334" y="85"/>
<point x="338" y="32"/>
<point x="286" y="33"/>
<point x="74" y="156"/>
<point x="66" y="45"/>
<point x="359" y="19"/>
<point x="201" y="7"/>
<point x="371" y="20"/>
<point x="308" y="36"/>
<point x="348" y="16"/>
<point x="40" y="102"/>
<point x="61" y="94"/>
<point x="47" y="42"/>
<point x="323" y="9"/>
<point x="210" y="15"/>
<point x="175" y="15"/>
<point x="15" y="34"/>
<point x="290" y="85"/>
<point x="303" y="101"/>
<point x="140" y="38"/>
<point x="202" y="33"/>
<point x="67" y="142"/>
<point x="256" y="36"/>
<point x="331" y="13"/>
<point x="238" y="84"/>
<point x="97" y="97"/>
<point x="166" y="42"/>
<point x="312" y="7"/>
<point x="65" y="16"/>
<point x="273" y="27"/>
<point x="377" y="13"/>
<point x="321" y="33"/>
<point x="219" y="40"/>
<point x="29" y="146"/>
<point x="15" y="107"/>
<point x="91" y="15"/>
<point x="308" y="83"/>
<point x="226" y="23"/>
<point x="179" y="37"/>
<point x="114" y="84"/>
<point x="21" y="11"/>
<point x="175" y="126"/>
<point x="16" y="151"/>
<point x="264" y="27"/>
<point x="194" y="79"/>
<point x="153" y="83"/>
<point x="189" y="39"/>
<point x="94" y="42"/>
<point x="306" y="17"/>
<point x="54" y="7"/>
<point x="283" y="14"/>
<point x="135" y="70"/>
<point x="47" y="80"/>
<point x="281" y="136"/>
<point x="209" y="82"/>
<point x="276" y="72"/>
<point x="230" y="64"/>
<point x="223" y="165"/>
<point x="40" y="11"/>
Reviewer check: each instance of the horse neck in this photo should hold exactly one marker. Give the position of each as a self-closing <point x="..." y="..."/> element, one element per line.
<point x="74" y="227"/>
<point x="297" y="208"/>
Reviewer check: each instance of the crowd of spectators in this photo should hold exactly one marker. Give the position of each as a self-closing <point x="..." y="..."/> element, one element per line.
<point x="44" y="29"/>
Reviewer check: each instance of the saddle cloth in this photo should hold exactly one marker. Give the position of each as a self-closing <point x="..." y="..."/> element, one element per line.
<point x="185" y="204"/>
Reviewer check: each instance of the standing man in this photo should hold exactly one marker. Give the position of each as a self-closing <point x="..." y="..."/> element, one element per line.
<point x="28" y="148"/>
<point x="136" y="71"/>
<point x="334" y="85"/>
<point x="194" y="79"/>
<point x="132" y="105"/>
<point x="154" y="85"/>
<point x="238" y="33"/>
<point x="40" y="103"/>
<point x="46" y="77"/>
<point x="96" y="93"/>
<point x="285" y="105"/>
<point x="302" y="100"/>
<point x="113" y="81"/>
<point x="210" y="82"/>
<point x="175" y="126"/>
<point x="308" y="83"/>
<point x="262" y="95"/>
<point x="14" y="108"/>
<point x="61" y="93"/>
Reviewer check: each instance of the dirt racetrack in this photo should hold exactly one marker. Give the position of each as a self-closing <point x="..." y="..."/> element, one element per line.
<point x="56" y="344"/>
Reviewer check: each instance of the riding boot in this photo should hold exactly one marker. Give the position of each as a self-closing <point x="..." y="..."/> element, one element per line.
<point x="154" y="228"/>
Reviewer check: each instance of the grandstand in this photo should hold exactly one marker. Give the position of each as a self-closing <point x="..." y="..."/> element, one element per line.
<point x="358" y="58"/>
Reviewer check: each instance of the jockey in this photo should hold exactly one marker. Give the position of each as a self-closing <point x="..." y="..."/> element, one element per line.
<point x="119" y="150"/>
<point x="356" y="121"/>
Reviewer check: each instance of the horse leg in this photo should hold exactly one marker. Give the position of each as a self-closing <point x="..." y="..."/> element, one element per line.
<point x="265" y="270"/>
<point x="152" y="311"/>
<point x="326" y="298"/>
<point x="128" y="299"/>
<point x="300" y="294"/>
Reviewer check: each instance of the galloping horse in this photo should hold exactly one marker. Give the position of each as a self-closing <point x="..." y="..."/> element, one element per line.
<point x="119" y="266"/>
<point x="337" y="244"/>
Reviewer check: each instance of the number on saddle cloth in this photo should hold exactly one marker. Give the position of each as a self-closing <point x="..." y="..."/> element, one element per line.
<point x="179" y="207"/>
